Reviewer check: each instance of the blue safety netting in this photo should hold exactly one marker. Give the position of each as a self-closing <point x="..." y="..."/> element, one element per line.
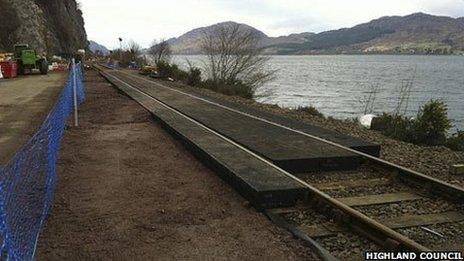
<point x="27" y="182"/>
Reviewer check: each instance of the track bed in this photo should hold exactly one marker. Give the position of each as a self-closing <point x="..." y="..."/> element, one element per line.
<point x="350" y="201"/>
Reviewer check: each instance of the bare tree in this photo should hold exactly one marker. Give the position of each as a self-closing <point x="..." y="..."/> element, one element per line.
<point x="234" y="57"/>
<point x="160" y="51"/>
<point x="135" y="49"/>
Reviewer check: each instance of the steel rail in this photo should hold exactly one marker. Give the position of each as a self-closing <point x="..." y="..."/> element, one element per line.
<point x="453" y="193"/>
<point x="353" y="219"/>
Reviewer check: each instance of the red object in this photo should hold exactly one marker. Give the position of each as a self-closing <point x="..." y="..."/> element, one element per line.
<point x="9" y="69"/>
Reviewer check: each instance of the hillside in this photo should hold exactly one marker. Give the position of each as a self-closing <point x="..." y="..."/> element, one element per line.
<point x="189" y="43"/>
<point x="95" y="47"/>
<point x="52" y="26"/>
<point x="415" y="33"/>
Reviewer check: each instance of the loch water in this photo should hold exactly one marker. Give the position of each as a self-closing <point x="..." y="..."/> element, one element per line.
<point x="338" y="85"/>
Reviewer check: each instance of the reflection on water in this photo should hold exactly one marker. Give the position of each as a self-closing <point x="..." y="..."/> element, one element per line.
<point x="336" y="84"/>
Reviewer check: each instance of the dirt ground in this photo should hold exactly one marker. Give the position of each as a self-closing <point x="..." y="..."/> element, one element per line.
<point x="127" y="190"/>
<point x="24" y="104"/>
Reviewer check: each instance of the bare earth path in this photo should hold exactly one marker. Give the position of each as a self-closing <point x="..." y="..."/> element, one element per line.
<point x="24" y="104"/>
<point x="129" y="191"/>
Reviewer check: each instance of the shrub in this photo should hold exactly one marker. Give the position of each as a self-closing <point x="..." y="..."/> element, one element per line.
<point x="456" y="141"/>
<point x="311" y="110"/>
<point x="178" y="74"/>
<point x="194" y="76"/>
<point x="166" y="70"/>
<point x="393" y="125"/>
<point x="429" y="128"/>
<point x="432" y="124"/>
<point x="237" y="89"/>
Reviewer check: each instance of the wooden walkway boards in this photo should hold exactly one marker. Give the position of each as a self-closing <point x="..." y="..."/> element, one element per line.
<point x="264" y="185"/>
<point x="287" y="149"/>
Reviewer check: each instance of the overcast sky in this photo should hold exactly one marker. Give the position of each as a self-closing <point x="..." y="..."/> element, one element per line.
<point x="145" y="20"/>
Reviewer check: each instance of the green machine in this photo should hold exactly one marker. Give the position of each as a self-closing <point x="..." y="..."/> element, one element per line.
<point x="28" y="59"/>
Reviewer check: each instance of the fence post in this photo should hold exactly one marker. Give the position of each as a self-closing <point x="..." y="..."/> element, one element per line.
<point x="76" y="119"/>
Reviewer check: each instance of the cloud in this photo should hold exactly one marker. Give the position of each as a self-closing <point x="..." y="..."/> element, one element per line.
<point x="144" y="20"/>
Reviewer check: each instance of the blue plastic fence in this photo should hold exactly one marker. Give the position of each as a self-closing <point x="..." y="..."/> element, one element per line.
<point x="27" y="182"/>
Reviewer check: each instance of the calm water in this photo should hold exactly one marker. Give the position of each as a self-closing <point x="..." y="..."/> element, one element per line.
<point x="337" y="84"/>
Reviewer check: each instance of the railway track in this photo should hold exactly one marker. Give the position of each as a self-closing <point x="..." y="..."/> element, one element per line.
<point x="432" y="222"/>
<point x="377" y="206"/>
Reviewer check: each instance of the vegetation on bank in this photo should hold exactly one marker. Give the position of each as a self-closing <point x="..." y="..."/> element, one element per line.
<point x="311" y="110"/>
<point x="193" y="77"/>
<point x="430" y="127"/>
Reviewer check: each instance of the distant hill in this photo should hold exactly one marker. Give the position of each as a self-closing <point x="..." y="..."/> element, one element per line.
<point x="190" y="42"/>
<point x="94" y="47"/>
<point x="416" y="33"/>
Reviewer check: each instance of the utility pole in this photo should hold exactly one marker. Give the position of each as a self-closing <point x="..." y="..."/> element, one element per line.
<point x="74" y="71"/>
<point x="120" y="50"/>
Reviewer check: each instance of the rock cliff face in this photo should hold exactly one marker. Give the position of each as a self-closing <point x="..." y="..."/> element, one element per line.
<point x="51" y="26"/>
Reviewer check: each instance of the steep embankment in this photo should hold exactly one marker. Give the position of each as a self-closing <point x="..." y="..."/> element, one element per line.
<point x="52" y="26"/>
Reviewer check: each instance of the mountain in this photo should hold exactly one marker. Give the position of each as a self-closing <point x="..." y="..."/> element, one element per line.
<point x="52" y="26"/>
<point x="190" y="42"/>
<point x="95" y="47"/>
<point x="415" y="33"/>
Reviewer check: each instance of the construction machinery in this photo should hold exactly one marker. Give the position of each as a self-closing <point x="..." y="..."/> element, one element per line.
<point x="28" y="60"/>
<point x="5" y="56"/>
<point x="147" y="70"/>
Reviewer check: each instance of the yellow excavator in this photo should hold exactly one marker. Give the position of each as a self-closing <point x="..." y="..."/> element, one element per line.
<point x="147" y="69"/>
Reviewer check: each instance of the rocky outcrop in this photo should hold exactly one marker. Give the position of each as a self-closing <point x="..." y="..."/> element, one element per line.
<point x="51" y="26"/>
